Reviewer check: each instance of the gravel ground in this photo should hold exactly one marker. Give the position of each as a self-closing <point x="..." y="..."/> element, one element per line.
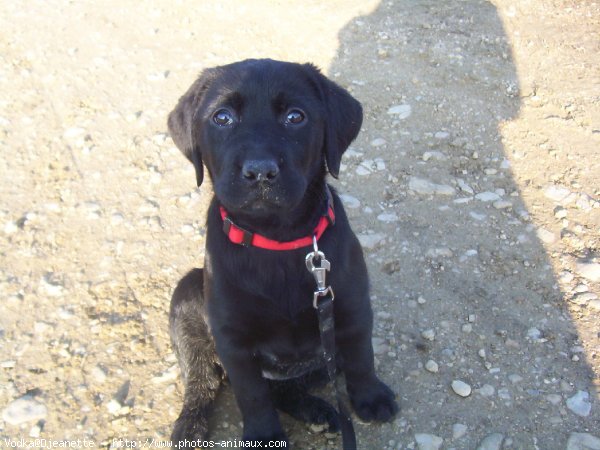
<point x="473" y="187"/>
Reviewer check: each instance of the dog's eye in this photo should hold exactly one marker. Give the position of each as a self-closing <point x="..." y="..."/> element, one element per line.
<point x="295" y="116"/>
<point x="223" y="118"/>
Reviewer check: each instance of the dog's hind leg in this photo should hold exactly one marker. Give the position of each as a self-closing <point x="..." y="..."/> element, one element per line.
<point x="292" y="397"/>
<point x="200" y="369"/>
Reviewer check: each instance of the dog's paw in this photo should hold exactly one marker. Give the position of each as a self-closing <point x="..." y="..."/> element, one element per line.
<point x="189" y="427"/>
<point x="373" y="402"/>
<point x="318" y="411"/>
<point x="274" y="440"/>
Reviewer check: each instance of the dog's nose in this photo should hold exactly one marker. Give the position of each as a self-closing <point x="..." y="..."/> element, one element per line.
<point x="260" y="170"/>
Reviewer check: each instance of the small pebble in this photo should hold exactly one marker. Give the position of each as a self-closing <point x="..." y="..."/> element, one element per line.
<point x="378" y="142"/>
<point x="580" y="404"/>
<point x="461" y="388"/>
<point x="458" y="430"/>
<point x="554" y="399"/>
<point x="438" y="156"/>
<point x="556" y="193"/>
<point x="546" y="236"/>
<point x="426" y="187"/>
<point x="24" y="409"/>
<point x="387" y="217"/>
<point x="487" y="390"/>
<point x="428" y="441"/>
<point x="400" y="111"/>
<point x="428" y="334"/>
<point x="560" y="212"/>
<point x="590" y="271"/>
<point x="583" y="441"/>
<point x="491" y="442"/>
<point x="370" y="241"/>
<point x="487" y="197"/>
<point x="349" y="201"/>
<point x="502" y="204"/>
<point x="432" y="366"/>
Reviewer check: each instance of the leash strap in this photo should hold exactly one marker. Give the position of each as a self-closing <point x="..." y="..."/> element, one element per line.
<point x="327" y="332"/>
<point x="317" y="264"/>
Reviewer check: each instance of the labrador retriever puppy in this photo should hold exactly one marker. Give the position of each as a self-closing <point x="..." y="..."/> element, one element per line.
<point x="268" y="132"/>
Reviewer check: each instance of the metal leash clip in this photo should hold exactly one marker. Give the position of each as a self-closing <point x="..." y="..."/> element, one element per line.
<point x="319" y="272"/>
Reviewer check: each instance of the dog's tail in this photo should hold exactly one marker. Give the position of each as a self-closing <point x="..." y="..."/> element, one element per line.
<point x="200" y="368"/>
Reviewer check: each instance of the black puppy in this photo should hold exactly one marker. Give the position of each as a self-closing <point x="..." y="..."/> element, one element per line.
<point x="268" y="132"/>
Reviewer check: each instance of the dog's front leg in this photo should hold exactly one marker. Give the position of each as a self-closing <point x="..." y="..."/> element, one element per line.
<point x="370" y="397"/>
<point x="261" y="422"/>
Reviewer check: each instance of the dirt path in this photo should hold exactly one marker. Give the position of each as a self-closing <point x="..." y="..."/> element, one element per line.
<point x="473" y="186"/>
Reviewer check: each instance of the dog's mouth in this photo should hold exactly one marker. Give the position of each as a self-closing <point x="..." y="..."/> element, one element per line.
<point x="260" y="200"/>
<point x="264" y="199"/>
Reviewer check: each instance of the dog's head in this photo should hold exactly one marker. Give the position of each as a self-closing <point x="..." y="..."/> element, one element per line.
<point x="265" y="130"/>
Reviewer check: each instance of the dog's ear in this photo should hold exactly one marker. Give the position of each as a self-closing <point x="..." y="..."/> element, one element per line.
<point x="343" y="120"/>
<point x="181" y="120"/>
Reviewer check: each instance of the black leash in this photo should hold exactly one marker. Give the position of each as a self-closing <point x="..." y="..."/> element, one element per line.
<point x="323" y="303"/>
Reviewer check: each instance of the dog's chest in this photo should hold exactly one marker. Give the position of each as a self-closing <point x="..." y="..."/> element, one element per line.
<point x="290" y="350"/>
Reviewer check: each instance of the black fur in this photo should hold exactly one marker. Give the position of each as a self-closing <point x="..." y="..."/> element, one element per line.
<point x="257" y="303"/>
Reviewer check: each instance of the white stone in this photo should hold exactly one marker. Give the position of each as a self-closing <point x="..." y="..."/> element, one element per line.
<point x="362" y="171"/>
<point x="24" y="409"/>
<point x="502" y="204"/>
<point x="441" y="135"/>
<point x="584" y="298"/>
<point x="51" y="288"/>
<point x="514" y="378"/>
<point x="491" y="442"/>
<point x="438" y="156"/>
<point x="464" y="186"/>
<point x="486" y="390"/>
<point x="443" y="252"/>
<point x="546" y="236"/>
<point x="99" y="374"/>
<point x="554" y="399"/>
<point x="594" y="304"/>
<point x="349" y="201"/>
<point x="428" y="334"/>
<point x="560" y="213"/>
<point x="477" y="216"/>
<point x="580" y="404"/>
<point x="351" y="153"/>
<point x="400" y="111"/>
<point x="487" y="196"/>
<point x="557" y="193"/>
<point x="458" y="430"/>
<point x="432" y="366"/>
<point x="370" y="241"/>
<point x="387" y="217"/>
<point x="590" y="271"/>
<point x="113" y="407"/>
<point x="462" y="200"/>
<point x="428" y="441"/>
<point x="583" y="441"/>
<point x="10" y="227"/>
<point x="116" y="219"/>
<point x="461" y="388"/>
<point x="534" y="334"/>
<point x="423" y="186"/>
<point x="73" y="132"/>
<point x="378" y="142"/>
<point x="504" y="394"/>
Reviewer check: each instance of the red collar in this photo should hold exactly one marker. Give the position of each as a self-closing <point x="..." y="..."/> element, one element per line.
<point x="238" y="235"/>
